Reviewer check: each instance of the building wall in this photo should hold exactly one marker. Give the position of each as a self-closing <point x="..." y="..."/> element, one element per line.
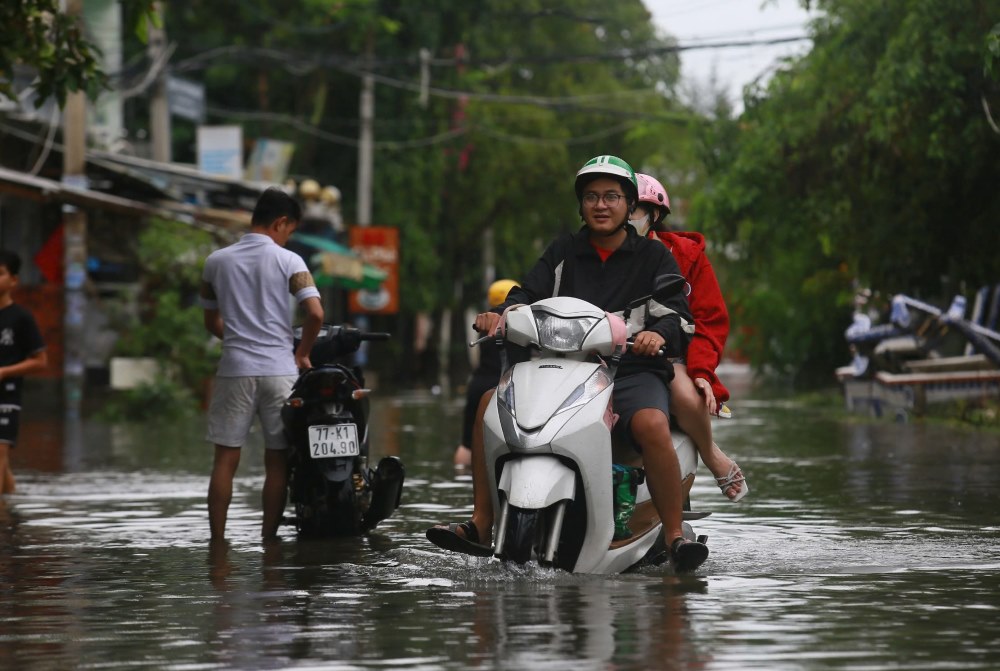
<point x="46" y="303"/>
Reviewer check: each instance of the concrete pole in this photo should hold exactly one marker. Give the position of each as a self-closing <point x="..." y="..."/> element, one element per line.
<point x="366" y="140"/>
<point x="366" y="145"/>
<point x="74" y="223"/>
<point x="159" y="112"/>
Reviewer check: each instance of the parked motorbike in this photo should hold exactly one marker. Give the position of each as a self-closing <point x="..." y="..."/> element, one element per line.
<point x="548" y="442"/>
<point x="331" y="487"/>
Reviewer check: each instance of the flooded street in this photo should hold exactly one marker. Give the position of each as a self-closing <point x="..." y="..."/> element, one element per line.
<point x="861" y="546"/>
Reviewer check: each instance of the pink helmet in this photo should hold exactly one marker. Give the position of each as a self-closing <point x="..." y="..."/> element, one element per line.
<point x="652" y="192"/>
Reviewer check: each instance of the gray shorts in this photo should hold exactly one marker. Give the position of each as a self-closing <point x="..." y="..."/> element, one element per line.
<point x="235" y="402"/>
<point x="634" y="393"/>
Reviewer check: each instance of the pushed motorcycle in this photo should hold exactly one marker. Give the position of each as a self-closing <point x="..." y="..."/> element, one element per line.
<point x="331" y="487"/>
<point x="549" y="450"/>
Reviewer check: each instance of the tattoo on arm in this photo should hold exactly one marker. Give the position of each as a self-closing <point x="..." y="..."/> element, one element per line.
<point x="300" y="281"/>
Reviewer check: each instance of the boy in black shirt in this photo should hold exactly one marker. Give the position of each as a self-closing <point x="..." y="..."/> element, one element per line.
<point x="22" y="351"/>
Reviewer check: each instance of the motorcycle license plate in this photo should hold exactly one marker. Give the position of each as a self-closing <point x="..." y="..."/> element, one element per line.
<point x="335" y="440"/>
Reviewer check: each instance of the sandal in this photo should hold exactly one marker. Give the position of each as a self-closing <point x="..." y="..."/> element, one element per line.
<point x="735" y="477"/>
<point x="687" y="555"/>
<point x="466" y="542"/>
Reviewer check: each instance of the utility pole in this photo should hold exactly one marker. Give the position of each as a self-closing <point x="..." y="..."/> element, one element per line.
<point x="74" y="223"/>
<point x="366" y="146"/>
<point x="366" y="141"/>
<point x="159" y="111"/>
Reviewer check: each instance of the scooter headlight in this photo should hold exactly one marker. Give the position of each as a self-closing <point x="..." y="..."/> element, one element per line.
<point x="559" y="334"/>
<point x="505" y="390"/>
<point x="584" y="393"/>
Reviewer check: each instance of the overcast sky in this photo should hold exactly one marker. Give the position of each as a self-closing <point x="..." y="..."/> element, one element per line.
<point x="698" y="21"/>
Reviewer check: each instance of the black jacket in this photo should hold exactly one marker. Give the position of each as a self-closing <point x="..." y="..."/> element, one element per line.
<point x="571" y="267"/>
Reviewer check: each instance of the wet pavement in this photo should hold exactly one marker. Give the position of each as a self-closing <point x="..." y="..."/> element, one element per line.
<point x="862" y="546"/>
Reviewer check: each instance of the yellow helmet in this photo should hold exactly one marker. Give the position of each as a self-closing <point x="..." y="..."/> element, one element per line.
<point x="498" y="292"/>
<point x="309" y="189"/>
<point x="330" y="195"/>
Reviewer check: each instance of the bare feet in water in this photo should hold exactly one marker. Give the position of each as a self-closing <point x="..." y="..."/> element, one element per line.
<point x="463" y="457"/>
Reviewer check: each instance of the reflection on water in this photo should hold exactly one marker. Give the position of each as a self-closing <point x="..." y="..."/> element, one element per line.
<point x="862" y="546"/>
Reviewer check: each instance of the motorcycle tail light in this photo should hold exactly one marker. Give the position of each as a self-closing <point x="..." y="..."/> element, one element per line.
<point x="295" y="402"/>
<point x="326" y="392"/>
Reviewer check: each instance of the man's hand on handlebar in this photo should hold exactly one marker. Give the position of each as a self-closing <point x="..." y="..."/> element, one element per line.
<point x="486" y="322"/>
<point x="647" y="343"/>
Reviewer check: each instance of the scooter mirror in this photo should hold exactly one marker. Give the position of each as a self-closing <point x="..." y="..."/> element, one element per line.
<point x="664" y="288"/>
<point x="668" y="286"/>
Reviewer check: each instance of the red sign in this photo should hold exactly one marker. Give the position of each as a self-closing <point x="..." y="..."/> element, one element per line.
<point x="49" y="258"/>
<point x="377" y="246"/>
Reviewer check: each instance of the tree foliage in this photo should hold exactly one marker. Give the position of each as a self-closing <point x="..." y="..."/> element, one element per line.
<point x="874" y="159"/>
<point x="168" y="323"/>
<point x="518" y="95"/>
<point x="38" y="35"/>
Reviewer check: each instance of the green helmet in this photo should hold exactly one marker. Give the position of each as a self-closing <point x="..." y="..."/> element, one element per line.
<point x="609" y="166"/>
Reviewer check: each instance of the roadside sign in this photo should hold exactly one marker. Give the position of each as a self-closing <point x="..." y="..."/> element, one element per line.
<point x="377" y="246"/>
<point x="186" y="98"/>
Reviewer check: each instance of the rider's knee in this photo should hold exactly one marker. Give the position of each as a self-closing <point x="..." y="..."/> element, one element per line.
<point x="650" y="426"/>
<point x="685" y="400"/>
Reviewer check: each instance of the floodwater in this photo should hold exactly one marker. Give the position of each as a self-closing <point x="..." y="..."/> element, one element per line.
<point x="861" y="546"/>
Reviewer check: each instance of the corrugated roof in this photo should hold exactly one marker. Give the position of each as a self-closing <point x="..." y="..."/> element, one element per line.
<point x="47" y="190"/>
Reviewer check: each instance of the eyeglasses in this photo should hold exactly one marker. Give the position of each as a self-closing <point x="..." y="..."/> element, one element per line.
<point x="610" y="198"/>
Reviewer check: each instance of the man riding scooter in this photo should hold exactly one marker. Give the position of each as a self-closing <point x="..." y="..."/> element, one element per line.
<point x="607" y="264"/>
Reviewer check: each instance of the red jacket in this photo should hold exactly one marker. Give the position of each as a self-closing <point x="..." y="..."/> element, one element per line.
<point x="711" y="319"/>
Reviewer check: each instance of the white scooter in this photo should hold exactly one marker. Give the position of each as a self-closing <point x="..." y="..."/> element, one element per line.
<point x="548" y="443"/>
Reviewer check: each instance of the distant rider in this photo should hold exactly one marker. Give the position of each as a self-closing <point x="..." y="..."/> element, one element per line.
<point x="483" y="379"/>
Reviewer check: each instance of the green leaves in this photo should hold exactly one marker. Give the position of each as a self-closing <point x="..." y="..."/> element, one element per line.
<point x="168" y="323"/>
<point x="868" y="161"/>
<point x="37" y="34"/>
<point x="991" y="63"/>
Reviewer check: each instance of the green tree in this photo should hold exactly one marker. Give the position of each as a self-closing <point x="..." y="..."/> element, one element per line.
<point x="519" y="94"/>
<point x="873" y="159"/>
<point x="38" y="35"/>
<point x="168" y="323"/>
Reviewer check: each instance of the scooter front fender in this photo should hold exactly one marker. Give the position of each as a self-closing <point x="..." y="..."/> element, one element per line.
<point x="537" y="482"/>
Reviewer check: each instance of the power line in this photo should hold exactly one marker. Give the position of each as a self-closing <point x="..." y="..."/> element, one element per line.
<point x="303" y="65"/>
<point x="581" y="139"/>
<point x="351" y="66"/>
<point x="311" y="129"/>
<point x="729" y="34"/>
<point x="539" y="101"/>
<point x="314" y="131"/>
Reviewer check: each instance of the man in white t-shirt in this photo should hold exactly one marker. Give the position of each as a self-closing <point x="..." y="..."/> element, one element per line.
<point x="245" y="292"/>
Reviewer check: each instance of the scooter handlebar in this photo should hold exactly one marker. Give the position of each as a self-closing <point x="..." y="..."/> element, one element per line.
<point x="376" y="336"/>
<point x="628" y="343"/>
<point x="480" y="341"/>
<point x="660" y="352"/>
<point x="337" y="341"/>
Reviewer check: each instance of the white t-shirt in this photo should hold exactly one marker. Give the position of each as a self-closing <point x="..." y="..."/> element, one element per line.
<point x="251" y="281"/>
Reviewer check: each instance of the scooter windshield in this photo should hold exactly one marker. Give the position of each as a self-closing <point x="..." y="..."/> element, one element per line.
<point x="561" y="334"/>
